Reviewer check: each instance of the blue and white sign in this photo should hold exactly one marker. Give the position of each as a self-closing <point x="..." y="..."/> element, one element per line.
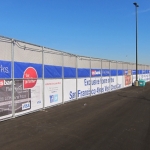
<point x="69" y="89"/>
<point x="114" y="85"/>
<point x="106" y="84"/>
<point x="120" y="81"/>
<point x="5" y="69"/>
<point x="105" y="72"/>
<point x="83" y="87"/>
<point x="96" y="86"/>
<point x="53" y="92"/>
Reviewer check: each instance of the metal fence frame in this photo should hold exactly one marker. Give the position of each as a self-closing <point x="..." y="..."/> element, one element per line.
<point x="77" y="64"/>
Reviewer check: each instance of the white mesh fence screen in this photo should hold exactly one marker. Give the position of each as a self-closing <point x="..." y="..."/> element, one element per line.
<point x="105" y="64"/>
<point x="69" y="61"/>
<point x="24" y="52"/>
<point x="52" y="57"/>
<point x="95" y="63"/>
<point x="119" y="65"/>
<point x="5" y="49"/>
<point x="113" y="65"/>
<point x="83" y="62"/>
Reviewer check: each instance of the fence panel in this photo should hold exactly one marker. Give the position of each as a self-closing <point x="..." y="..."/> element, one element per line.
<point x="28" y="78"/>
<point x="84" y="74"/>
<point x="70" y="77"/>
<point x="114" y="76"/>
<point x="96" y="76"/>
<point x="6" y="81"/>
<point x="53" y="77"/>
<point x="105" y="76"/>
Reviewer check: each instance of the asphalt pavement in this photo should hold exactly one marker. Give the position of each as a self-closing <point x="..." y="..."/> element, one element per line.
<point x="118" y="120"/>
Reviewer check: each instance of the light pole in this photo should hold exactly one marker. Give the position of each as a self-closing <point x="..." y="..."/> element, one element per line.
<point x="136" y="82"/>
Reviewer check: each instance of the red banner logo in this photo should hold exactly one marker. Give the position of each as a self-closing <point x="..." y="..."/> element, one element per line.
<point x="31" y="74"/>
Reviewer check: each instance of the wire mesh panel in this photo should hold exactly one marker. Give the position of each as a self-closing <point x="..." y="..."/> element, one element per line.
<point x="146" y="73"/>
<point x="113" y="65"/>
<point x="53" y="73"/>
<point x="120" y="74"/>
<point x="69" y="60"/>
<point x="5" y="49"/>
<point x="105" y="64"/>
<point x="105" y="76"/>
<point x="5" y="58"/>
<point x="143" y="67"/>
<point x="52" y="57"/>
<point x="139" y="67"/>
<point x="133" y="72"/>
<point x="53" y="64"/>
<point x="125" y="66"/>
<point x="130" y="66"/>
<point x="95" y="63"/>
<point x="95" y="76"/>
<point x="119" y="65"/>
<point x="134" y="66"/>
<point x="24" y="52"/>
<point x="83" y="82"/>
<point x="83" y="62"/>
<point x="70" y="72"/>
<point x="6" y="81"/>
<point x="114" y="74"/>
<point x="27" y="74"/>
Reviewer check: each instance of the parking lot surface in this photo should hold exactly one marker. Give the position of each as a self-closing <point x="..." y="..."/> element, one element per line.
<point x="118" y="120"/>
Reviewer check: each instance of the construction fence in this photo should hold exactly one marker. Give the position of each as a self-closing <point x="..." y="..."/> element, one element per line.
<point x="34" y="77"/>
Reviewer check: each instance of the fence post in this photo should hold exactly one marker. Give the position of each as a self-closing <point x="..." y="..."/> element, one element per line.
<point x="90" y="78"/>
<point x="76" y="77"/>
<point x="109" y="75"/>
<point x="12" y="76"/>
<point x="101" y="74"/>
<point x="62" y="78"/>
<point x="43" y="77"/>
<point x="117" y="72"/>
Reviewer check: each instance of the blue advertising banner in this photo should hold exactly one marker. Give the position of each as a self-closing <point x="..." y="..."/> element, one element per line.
<point x="143" y="71"/>
<point x="133" y="72"/>
<point x="120" y="72"/>
<point x="21" y="67"/>
<point x="5" y="69"/>
<point x="52" y="71"/>
<point x="69" y="72"/>
<point x="105" y="72"/>
<point x="113" y="72"/>
<point x="82" y="72"/>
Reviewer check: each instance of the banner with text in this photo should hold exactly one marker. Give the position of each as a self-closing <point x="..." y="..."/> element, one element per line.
<point x="69" y="89"/>
<point x="53" y="92"/>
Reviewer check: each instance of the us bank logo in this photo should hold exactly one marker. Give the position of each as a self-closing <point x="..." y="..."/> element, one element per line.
<point x="53" y="98"/>
<point x="6" y="82"/>
<point x="96" y="72"/>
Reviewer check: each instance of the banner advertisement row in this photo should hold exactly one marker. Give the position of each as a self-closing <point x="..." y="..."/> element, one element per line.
<point x="23" y="70"/>
<point x="29" y="94"/>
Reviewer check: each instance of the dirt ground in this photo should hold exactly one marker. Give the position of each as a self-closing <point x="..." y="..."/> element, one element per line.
<point x="118" y="120"/>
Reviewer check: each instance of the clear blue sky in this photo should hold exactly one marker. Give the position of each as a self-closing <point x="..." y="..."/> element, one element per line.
<point x="96" y="28"/>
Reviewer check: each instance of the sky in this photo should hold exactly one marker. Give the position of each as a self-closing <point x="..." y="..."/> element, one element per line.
<point x="94" y="28"/>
